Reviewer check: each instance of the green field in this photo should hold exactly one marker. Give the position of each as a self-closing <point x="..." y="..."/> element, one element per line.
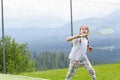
<point x="104" y="72"/>
<point x="17" y="77"/>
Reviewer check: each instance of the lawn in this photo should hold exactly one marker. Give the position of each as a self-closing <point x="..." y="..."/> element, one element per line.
<point x="103" y="72"/>
<point x="17" y="77"/>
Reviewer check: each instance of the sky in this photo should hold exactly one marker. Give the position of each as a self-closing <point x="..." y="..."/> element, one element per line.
<point x="60" y="9"/>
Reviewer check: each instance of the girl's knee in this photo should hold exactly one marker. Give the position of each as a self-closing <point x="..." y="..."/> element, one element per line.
<point x="91" y="71"/>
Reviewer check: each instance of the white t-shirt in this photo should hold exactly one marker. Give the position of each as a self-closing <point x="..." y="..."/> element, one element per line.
<point x="79" y="49"/>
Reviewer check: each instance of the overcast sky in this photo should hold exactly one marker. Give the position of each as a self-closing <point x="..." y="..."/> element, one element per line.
<point x="17" y="9"/>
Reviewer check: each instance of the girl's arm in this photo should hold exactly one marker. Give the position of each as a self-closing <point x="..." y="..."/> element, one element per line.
<point x="73" y="37"/>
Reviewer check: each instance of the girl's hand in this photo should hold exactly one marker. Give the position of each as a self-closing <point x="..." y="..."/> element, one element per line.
<point x="89" y="49"/>
<point x="77" y="36"/>
<point x="83" y="35"/>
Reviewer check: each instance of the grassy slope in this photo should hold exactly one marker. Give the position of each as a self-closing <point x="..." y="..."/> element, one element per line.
<point x="17" y="77"/>
<point x="104" y="72"/>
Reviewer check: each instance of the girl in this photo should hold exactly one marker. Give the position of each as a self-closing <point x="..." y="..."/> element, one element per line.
<point x="78" y="55"/>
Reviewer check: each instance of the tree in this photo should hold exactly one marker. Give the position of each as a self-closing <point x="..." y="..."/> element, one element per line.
<point x="51" y="60"/>
<point x="17" y="56"/>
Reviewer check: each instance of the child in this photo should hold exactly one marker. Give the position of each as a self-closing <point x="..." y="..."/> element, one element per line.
<point x="78" y="55"/>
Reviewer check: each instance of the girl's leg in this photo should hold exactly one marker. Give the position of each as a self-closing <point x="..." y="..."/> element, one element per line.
<point x="88" y="66"/>
<point x="73" y="66"/>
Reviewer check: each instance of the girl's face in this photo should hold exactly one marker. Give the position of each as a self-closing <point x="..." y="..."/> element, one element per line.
<point x="84" y="30"/>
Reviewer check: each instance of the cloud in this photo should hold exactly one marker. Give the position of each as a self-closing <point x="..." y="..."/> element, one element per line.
<point x="106" y="48"/>
<point x="93" y="8"/>
<point x="26" y="9"/>
<point x="18" y="8"/>
<point x="81" y="8"/>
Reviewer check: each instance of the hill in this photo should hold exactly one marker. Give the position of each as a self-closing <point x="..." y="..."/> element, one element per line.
<point x="51" y="39"/>
<point x="54" y="39"/>
<point x="104" y="72"/>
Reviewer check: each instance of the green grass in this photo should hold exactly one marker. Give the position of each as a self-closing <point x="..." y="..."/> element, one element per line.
<point x="17" y="77"/>
<point x="103" y="72"/>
